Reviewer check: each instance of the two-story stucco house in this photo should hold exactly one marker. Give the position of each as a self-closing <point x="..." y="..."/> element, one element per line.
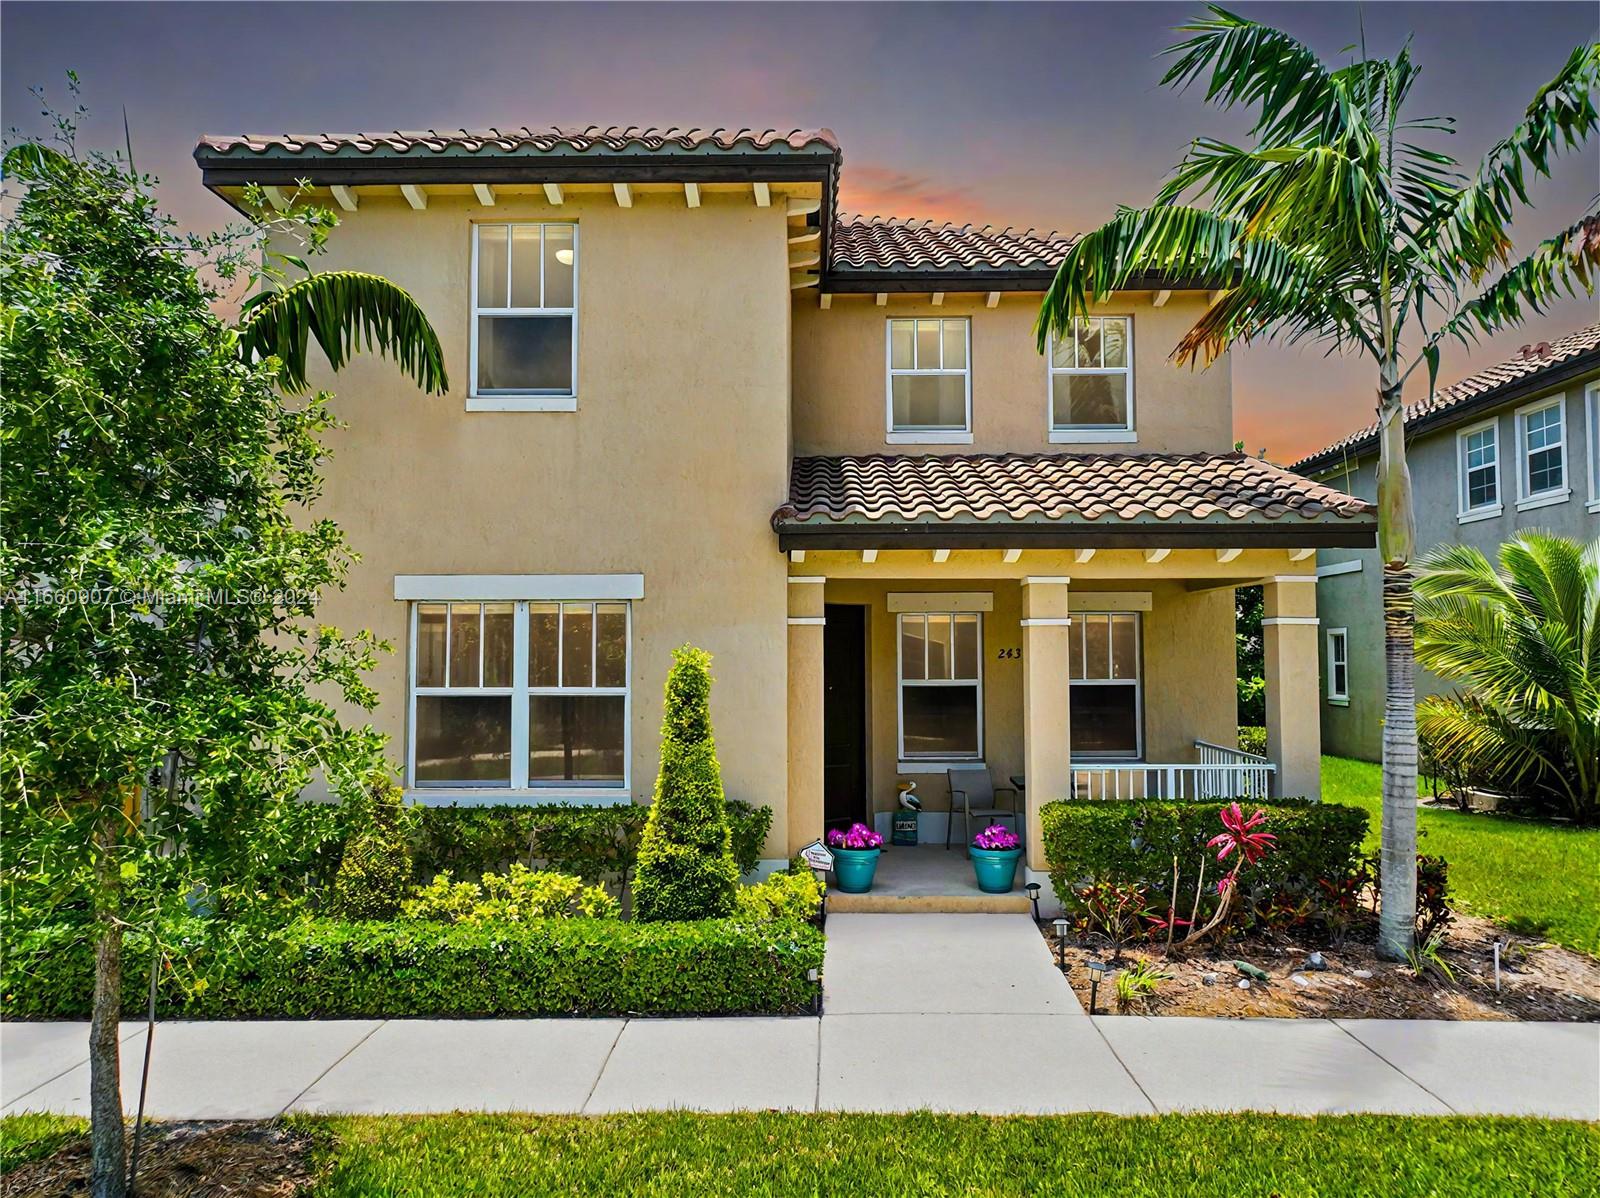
<point x="693" y="403"/>
<point x="1515" y="446"/>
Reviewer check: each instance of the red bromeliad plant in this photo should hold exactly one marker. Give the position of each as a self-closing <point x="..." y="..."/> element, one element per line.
<point x="1240" y="840"/>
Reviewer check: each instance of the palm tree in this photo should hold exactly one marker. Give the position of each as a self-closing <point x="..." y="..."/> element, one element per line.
<point x="1524" y="642"/>
<point x="1339" y="225"/>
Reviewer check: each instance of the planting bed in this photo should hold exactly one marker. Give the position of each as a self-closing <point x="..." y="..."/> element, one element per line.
<point x="1539" y="981"/>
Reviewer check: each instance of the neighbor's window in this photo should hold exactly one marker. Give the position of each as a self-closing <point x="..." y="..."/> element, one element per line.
<point x="1091" y="379"/>
<point x="930" y="378"/>
<point x="1105" y="696"/>
<point x="941" y="686"/>
<point x="524" y="310"/>
<point x="477" y="723"/>
<point x="1338" y="664"/>
<point x="1542" y="433"/>
<point x="1478" y="468"/>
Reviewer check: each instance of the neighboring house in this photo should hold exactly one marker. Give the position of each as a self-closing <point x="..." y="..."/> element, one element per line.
<point x="1514" y="446"/>
<point x="692" y="403"/>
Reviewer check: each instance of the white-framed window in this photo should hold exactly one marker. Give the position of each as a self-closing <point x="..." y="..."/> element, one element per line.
<point x="1338" y="665"/>
<point x="1591" y="414"/>
<point x="1478" y="471"/>
<point x="941" y="686"/>
<point x="1106" y="696"/>
<point x="1542" y="453"/>
<point x="524" y="317"/>
<point x="526" y="697"/>
<point x="929" y="386"/>
<point x="1091" y="381"/>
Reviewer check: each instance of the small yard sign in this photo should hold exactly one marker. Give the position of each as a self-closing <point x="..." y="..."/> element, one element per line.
<point x="818" y="855"/>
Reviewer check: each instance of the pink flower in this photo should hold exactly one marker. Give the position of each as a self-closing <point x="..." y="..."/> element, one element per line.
<point x="858" y="837"/>
<point x="1238" y="835"/>
<point x="997" y="837"/>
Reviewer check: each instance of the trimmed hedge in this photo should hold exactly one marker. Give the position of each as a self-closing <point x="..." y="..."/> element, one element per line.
<point x="1134" y="840"/>
<point x="327" y="969"/>
<point x="596" y="843"/>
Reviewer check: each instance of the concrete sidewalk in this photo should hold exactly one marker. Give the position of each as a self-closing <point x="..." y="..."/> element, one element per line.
<point x="938" y="1012"/>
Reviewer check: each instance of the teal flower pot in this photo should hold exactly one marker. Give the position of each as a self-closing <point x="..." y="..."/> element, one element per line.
<point x="996" y="868"/>
<point x="853" y="869"/>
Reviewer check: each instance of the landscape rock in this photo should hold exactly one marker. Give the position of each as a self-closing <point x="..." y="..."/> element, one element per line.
<point x="1300" y="980"/>
<point x="1208" y="979"/>
<point x="1244" y="983"/>
<point x="1361" y="973"/>
<point x="1315" y="961"/>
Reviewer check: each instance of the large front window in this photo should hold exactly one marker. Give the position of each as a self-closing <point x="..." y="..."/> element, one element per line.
<point x="930" y="380"/>
<point x="1091" y="381"/>
<point x="1105" y="698"/>
<point x="520" y="695"/>
<point x="941" y="686"/>
<point x="524" y="314"/>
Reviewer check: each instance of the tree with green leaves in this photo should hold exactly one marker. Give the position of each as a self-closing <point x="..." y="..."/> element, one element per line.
<point x="163" y="669"/>
<point x="1523" y="642"/>
<point x="686" y="868"/>
<point x="1342" y="223"/>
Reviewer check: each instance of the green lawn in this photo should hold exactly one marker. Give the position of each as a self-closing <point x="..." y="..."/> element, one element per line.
<point x="1088" y="1155"/>
<point x="1540" y="878"/>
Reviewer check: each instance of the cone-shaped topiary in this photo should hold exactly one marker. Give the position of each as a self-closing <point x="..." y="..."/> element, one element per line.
<point x="686" y="868"/>
<point x="375" y="873"/>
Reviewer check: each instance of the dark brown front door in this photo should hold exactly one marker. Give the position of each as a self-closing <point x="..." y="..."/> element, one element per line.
<point x="844" y="714"/>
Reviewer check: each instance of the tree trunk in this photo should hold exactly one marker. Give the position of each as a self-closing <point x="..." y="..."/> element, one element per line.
<point x="1396" y="545"/>
<point x="109" y="1173"/>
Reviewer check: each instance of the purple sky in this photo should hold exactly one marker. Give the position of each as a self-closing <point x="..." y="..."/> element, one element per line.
<point x="1041" y="114"/>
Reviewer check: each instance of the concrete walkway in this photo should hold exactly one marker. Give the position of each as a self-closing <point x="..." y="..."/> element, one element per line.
<point x="944" y="1012"/>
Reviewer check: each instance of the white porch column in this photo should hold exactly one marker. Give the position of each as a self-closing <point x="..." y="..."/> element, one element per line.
<point x="803" y="820"/>
<point x="1045" y="690"/>
<point x="1289" y="632"/>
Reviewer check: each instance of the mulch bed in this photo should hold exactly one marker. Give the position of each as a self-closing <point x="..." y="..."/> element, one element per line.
<point x="1538" y="981"/>
<point x="186" y="1160"/>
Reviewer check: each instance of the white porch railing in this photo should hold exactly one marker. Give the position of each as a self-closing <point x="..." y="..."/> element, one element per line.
<point x="1221" y="773"/>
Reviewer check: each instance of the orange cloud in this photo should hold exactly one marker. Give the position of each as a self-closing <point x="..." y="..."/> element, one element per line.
<point x="883" y="191"/>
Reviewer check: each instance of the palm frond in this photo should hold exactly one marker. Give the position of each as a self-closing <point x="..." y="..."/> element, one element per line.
<point x="28" y="160"/>
<point x="344" y="311"/>
<point x="1557" y="266"/>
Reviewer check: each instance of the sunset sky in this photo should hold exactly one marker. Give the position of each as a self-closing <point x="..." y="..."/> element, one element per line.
<point x="1043" y="115"/>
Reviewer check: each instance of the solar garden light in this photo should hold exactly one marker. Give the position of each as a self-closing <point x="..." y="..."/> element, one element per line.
<point x="1060" y="926"/>
<point x="1032" y="891"/>
<point x="1097" y="970"/>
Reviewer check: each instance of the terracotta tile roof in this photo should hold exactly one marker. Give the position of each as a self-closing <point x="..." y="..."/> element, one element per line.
<point x="1514" y="373"/>
<point x="593" y="138"/>
<point x="879" y="243"/>
<point x="1066" y="488"/>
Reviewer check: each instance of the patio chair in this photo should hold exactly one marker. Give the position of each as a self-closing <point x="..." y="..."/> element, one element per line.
<point x="972" y="793"/>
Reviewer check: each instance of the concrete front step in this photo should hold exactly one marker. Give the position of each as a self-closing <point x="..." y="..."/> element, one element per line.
<point x="873" y="903"/>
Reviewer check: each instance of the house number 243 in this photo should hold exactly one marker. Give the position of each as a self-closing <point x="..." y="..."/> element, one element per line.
<point x="1008" y="654"/>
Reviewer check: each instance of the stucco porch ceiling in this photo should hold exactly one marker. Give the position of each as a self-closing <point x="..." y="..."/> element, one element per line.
<point x="1063" y="501"/>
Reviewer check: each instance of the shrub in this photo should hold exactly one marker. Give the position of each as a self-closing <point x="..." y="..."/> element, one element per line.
<point x="599" y="844"/>
<point x="375" y="872"/>
<point x="1133" y="841"/>
<point x="1253" y="739"/>
<point x="522" y="894"/>
<point x="686" y="868"/>
<point x="323" y="968"/>
<point x="1433" y="893"/>
<point x="781" y="896"/>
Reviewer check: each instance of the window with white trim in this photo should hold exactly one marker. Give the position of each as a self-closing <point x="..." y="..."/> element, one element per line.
<point x="1339" y="665"/>
<point x="1591" y="405"/>
<point x="522" y="696"/>
<point x="1091" y="379"/>
<point x="941" y="686"/>
<point x="1541" y="431"/>
<point x="1478" y="468"/>
<point x="1106" y="697"/>
<point x="930" y="377"/>
<point x="524" y="311"/>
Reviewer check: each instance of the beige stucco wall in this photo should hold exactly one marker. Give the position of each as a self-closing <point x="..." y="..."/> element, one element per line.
<point x="839" y="377"/>
<point x="1188" y="663"/>
<point x="670" y="467"/>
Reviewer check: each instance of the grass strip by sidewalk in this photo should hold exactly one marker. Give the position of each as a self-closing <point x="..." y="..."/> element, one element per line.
<point x="879" y="1155"/>
<point x="1537" y="878"/>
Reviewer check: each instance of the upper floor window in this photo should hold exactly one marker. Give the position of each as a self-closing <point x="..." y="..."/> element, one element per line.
<point x="1091" y="381"/>
<point x="524" y="316"/>
<point x="525" y="696"/>
<point x="1591" y="404"/>
<point x="930" y="380"/>
<point x="1478" y="470"/>
<point x="1541" y="436"/>
<point x="941" y="686"/>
